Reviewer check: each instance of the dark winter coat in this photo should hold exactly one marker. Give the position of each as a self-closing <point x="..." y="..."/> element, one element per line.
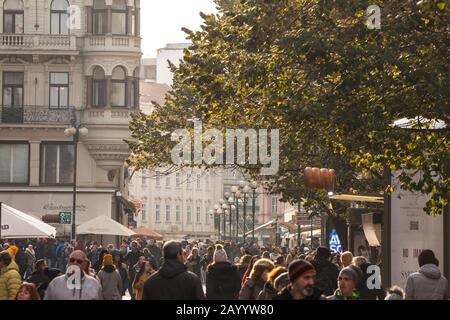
<point x="241" y="270"/>
<point x="268" y="292"/>
<point x="173" y="282"/>
<point x="222" y="281"/>
<point x="251" y="289"/>
<point x="326" y="276"/>
<point x="194" y="264"/>
<point x="41" y="280"/>
<point x="286" y="295"/>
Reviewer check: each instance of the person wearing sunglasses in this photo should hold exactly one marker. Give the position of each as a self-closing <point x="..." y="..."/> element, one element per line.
<point x="75" y="284"/>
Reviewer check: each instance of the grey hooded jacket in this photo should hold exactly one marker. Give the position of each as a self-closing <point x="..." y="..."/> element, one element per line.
<point x="427" y="284"/>
<point x="59" y="290"/>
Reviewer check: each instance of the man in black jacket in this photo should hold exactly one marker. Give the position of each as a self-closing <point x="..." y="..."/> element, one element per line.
<point x="301" y="287"/>
<point x="326" y="272"/>
<point x="173" y="281"/>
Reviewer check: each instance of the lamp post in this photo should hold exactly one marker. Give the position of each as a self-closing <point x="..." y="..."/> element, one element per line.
<point x="253" y="186"/>
<point x="216" y="213"/>
<point x="246" y="196"/>
<point x="76" y="131"/>
<point x="298" y="221"/>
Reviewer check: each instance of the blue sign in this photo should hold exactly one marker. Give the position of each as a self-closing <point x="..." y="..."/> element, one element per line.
<point x="334" y="243"/>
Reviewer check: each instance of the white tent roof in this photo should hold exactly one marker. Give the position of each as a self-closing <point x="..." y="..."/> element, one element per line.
<point x="19" y="225"/>
<point x="104" y="225"/>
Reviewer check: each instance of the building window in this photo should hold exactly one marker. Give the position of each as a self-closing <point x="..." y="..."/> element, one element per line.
<point x="99" y="18"/>
<point x="119" y="17"/>
<point x="13" y="16"/>
<point x="178" y="213"/>
<point x="158" y="213"/>
<point x="143" y="211"/>
<point x="198" y="215"/>
<point x="12" y="97"/>
<point x="167" y="182"/>
<point x="167" y="213"/>
<point x="189" y="214"/>
<point x="133" y="20"/>
<point x="57" y="161"/>
<point x="199" y="181"/>
<point x="158" y="180"/>
<point x="206" y="215"/>
<point x="99" y="88"/>
<point x="59" y="17"/>
<point x="177" y="180"/>
<point x="59" y="90"/>
<point x="144" y="180"/>
<point x="275" y="204"/>
<point x="14" y="160"/>
<point x="118" y="87"/>
<point x="188" y="181"/>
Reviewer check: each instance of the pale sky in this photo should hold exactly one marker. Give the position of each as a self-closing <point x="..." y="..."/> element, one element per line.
<point x="162" y="20"/>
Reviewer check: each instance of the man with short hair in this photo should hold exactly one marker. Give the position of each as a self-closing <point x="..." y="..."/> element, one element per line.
<point x="173" y="281"/>
<point x="301" y="278"/>
<point x="39" y="277"/>
<point x="347" y="282"/>
<point x="63" y="288"/>
<point x="327" y="272"/>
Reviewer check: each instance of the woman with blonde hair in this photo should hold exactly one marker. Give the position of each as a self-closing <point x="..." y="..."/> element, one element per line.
<point x="257" y="279"/>
<point x="269" y="288"/>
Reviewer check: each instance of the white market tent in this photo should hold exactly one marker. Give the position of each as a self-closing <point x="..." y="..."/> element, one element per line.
<point x="16" y="224"/>
<point x="103" y="225"/>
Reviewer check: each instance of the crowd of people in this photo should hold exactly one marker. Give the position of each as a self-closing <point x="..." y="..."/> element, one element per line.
<point x="148" y="270"/>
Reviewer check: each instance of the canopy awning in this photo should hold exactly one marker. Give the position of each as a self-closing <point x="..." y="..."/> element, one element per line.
<point x="127" y="204"/>
<point x="142" y="231"/>
<point x="354" y="197"/>
<point x="16" y="224"/>
<point x="103" y="225"/>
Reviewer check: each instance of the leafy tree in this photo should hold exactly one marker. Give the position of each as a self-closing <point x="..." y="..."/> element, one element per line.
<point x="332" y="86"/>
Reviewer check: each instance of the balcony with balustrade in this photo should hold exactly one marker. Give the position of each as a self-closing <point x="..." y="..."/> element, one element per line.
<point x="35" y="115"/>
<point x="36" y="43"/>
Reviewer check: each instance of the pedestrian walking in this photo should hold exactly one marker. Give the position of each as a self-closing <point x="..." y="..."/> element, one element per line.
<point x="193" y="262"/>
<point x="249" y="269"/>
<point x="243" y="265"/>
<point x="122" y="269"/>
<point x="173" y="281"/>
<point x="347" y="282"/>
<point x="428" y="283"/>
<point x="27" y="291"/>
<point x="346" y="259"/>
<point x="301" y="275"/>
<point x="257" y="279"/>
<point x="222" y="278"/>
<point x="110" y="280"/>
<point x="145" y="271"/>
<point x="326" y="271"/>
<point x="395" y="293"/>
<point x="269" y="290"/>
<point x="31" y="260"/>
<point x="90" y="288"/>
<point x="39" y="277"/>
<point x="10" y="279"/>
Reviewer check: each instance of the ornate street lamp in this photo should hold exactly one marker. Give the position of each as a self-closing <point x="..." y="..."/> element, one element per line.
<point x="253" y="186"/>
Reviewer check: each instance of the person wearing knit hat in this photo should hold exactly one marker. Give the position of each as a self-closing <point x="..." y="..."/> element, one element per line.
<point x="222" y="278"/>
<point x="110" y="279"/>
<point x="428" y="283"/>
<point x="347" y="282"/>
<point x="281" y="281"/>
<point x="301" y="274"/>
<point x="326" y="271"/>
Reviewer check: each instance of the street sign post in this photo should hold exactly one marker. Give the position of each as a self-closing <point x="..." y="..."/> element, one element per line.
<point x="65" y="217"/>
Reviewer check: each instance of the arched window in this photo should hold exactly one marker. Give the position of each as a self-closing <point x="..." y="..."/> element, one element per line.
<point x="59" y="17"/>
<point x="118" y="87"/>
<point x="98" y="88"/>
<point x="119" y="17"/>
<point x="99" y="17"/>
<point x="13" y="16"/>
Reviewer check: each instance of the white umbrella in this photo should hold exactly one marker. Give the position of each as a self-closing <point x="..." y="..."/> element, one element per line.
<point x="103" y="225"/>
<point x="16" y="224"/>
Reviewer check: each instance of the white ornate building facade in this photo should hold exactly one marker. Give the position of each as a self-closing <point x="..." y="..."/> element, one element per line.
<point x="65" y="63"/>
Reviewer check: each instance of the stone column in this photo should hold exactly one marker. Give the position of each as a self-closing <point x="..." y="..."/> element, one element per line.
<point x="34" y="163"/>
<point x="108" y="91"/>
<point x="88" y="91"/>
<point x="128" y="92"/>
<point x="138" y="21"/>
<point x="129" y="20"/>
<point x="89" y="26"/>
<point x="109" y="19"/>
